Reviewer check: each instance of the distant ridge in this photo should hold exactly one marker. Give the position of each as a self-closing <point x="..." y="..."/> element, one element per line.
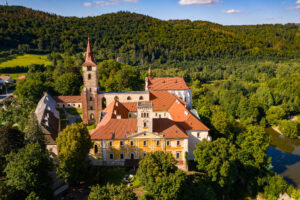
<point x="142" y="39"/>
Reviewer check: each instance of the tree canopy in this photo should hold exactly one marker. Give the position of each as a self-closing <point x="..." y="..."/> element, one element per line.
<point x="27" y="170"/>
<point x="73" y="144"/>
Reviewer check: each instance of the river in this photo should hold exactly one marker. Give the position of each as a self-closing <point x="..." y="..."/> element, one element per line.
<point x="285" y="155"/>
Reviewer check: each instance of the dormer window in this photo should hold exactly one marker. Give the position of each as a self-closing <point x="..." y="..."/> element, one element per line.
<point x="186" y="113"/>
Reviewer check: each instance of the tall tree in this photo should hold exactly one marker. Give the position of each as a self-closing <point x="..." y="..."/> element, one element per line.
<point x="218" y="160"/>
<point x="73" y="144"/>
<point x="28" y="169"/>
<point x="68" y="84"/>
<point x="33" y="132"/>
<point x="111" y="192"/>
<point x="158" y="173"/>
<point x="11" y="140"/>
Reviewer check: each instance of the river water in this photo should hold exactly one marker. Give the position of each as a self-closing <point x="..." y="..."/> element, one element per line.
<point x="285" y="155"/>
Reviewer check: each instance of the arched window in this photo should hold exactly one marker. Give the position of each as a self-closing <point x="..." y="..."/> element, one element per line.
<point x="89" y="76"/>
<point x="131" y="155"/>
<point x="96" y="149"/>
<point x="128" y="98"/>
<point x="91" y="98"/>
<point x="91" y="108"/>
<point x="90" y="89"/>
<point x="92" y="116"/>
<point x="103" y="102"/>
<point x="141" y="97"/>
<point x="145" y="124"/>
<point x="116" y="98"/>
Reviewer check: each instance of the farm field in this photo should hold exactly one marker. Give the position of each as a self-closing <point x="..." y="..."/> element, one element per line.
<point x="24" y="60"/>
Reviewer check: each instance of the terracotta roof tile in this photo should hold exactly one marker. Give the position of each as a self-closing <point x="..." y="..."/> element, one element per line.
<point x="168" y="128"/>
<point x="131" y="107"/>
<point x="187" y="120"/>
<point x="167" y="84"/>
<point x="162" y="100"/>
<point x="67" y="99"/>
<point x="115" y="128"/>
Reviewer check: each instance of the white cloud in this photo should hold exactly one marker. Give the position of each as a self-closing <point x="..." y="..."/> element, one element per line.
<point x="297" y="7"/>
<point x="199" y="2"/>
<point x="231" y="11"/>
<point x="87" y="4"/>
<point x="103" y="3"/>
<point x="294" y="8"/>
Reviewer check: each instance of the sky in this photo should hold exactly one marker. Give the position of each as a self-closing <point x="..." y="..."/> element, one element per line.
<point x="226" y="12"/>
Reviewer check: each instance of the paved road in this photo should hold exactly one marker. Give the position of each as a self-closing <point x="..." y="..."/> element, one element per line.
<point x="4" y="96"/>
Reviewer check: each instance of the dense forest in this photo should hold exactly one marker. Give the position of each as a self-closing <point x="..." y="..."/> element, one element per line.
<point x="141" y="39"/>
<point x="243" y="79"/>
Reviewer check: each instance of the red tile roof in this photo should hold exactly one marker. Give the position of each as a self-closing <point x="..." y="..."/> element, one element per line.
<point x="131" y="107"/>
<point x="67" y="99"/>
<point x="162" y="100"/>
<point x="115" y="129"/>
<point x="167" y="84"/>
<point x="182" y="118"/>
<point x="168" y="128"/>
<point x="185" y="118"/>
<point x="5" y="77"/>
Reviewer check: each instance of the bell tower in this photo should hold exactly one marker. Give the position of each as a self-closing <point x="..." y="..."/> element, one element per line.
<point x="89" y="94"/>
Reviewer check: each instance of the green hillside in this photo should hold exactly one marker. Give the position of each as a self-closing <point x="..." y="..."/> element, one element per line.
<point x="141" y="39"/>
<point x="24" y="60"/>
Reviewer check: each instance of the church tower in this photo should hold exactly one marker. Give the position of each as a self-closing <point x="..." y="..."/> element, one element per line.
<point x="89" y="95"/>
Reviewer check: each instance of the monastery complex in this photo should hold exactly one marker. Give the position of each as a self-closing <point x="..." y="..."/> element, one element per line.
<point x="129" y="124"/>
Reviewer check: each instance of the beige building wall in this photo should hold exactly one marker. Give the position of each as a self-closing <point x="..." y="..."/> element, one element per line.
<point x="124" y="97"/>
<point x="68" y="105"/>
<point x="194" y="138"/>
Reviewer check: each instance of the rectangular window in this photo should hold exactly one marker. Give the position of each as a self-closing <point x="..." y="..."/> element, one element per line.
<point x="89" y="68"/>
<point x="111" y="156"/>
<point x="110" y="143"/>
<point x="168" y="143"/>
<point x="198" y="135"/>
<point x="145" y="142"/>
<point x="178" y="142"/>
<point x="157" y="143"/>
<point x="144" y="154"/>
<point x="121" y="143"/>
<point x="177" y="155"/>
<point x="131" y="143"/>
<point x="121" y="156"/>
<point x="131" y="155"/>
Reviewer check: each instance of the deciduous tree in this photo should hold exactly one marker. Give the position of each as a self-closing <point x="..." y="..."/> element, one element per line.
<point x="73" y="144"/>
<point x="28" y="169"/>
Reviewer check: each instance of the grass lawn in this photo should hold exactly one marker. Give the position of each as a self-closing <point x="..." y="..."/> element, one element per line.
<point x="106" y="174"/>
<point x="91" y="127"/>
<point x="24" y="60"/>
<point x="74" y="111"/>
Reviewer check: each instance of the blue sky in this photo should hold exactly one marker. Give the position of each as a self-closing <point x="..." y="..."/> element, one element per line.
<point x="225" y="12"/>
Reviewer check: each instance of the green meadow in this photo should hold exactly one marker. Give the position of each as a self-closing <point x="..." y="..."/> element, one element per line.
<point x="24" y="60"/>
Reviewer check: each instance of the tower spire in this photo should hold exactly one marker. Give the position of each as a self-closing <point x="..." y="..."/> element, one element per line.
<point x="89" y="58"/>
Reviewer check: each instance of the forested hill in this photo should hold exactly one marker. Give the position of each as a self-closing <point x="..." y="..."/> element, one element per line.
<point x="141" y="39"/>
